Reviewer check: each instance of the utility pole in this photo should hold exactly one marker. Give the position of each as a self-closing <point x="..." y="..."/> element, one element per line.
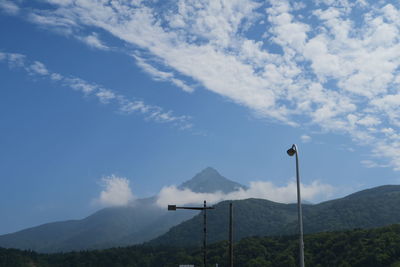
<point x="204" y="209"/>
<point x="230" y="235"/>
<point x="205" y="234"/>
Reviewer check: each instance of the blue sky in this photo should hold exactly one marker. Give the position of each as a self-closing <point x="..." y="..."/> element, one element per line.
<point x="102" y="102"/>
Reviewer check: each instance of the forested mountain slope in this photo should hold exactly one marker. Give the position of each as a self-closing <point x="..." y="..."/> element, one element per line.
<point x="256" y="217"/>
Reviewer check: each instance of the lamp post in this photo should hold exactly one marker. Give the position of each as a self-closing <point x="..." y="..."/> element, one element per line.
<point x="294" y="151"/>
<point x="204" y="209"/>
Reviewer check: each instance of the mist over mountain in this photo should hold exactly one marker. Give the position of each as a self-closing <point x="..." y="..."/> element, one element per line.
<point x="115" y="226"/>
<point x="369" y="208"/>
<point x="146" y="221"/>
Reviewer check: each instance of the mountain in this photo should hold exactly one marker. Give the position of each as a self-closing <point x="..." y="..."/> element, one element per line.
<point x="115" y="226"/>
<point x="108" y="227"/>
<point x="209" y="180"/>
<point x="144" y="220"/>
<point x="256" y="217"/>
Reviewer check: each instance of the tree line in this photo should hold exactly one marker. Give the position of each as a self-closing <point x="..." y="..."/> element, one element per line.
<point x="358" y="247"/>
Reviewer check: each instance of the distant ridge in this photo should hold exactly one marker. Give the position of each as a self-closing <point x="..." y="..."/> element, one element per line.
<point x="375" y="207"/>
<point x="115" y="226"/>
<point x="145" y="221"/>
<point x="379" y="190"/>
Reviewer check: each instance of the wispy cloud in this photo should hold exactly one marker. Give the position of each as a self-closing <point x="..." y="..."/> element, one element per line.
<point x="9" y="7"/>
<point x="315" y="191"/>
<point x="326" y="65"/>
<point x="93" y="41"/>
<point x="373" y="164"/>
<point x="305" y="138"/>
<point x="116" y="192"/>
<point x="38" y="68"/>
<point x="104" y="95"/>
<point x="159" y="75"/>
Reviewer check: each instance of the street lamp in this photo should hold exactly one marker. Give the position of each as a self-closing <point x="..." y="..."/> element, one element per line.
<point x="294" y="151"/>
<point x="204" y="209"/>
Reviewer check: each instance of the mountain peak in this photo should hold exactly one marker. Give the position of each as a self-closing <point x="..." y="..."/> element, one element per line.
<point x="210" y="180"/>
<point x="208" y="171"/>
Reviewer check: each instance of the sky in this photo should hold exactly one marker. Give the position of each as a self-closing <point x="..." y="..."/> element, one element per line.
<point x="103" y="102"/>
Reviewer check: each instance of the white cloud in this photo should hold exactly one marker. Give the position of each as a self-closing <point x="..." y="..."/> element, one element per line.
<point x="369" y="121"/>
<point x="81" y="85"/>
<point x="159" y="75"/>
<point x="93" y="41"/>
<point x="369" y="163"/>
<point x="48" y="19"/>
<point x="9" y="7"/>
<point x="56" y="77"/>
<point x="38" y="68"/>
<point x="264" y="190"/>
<point x="372" y="164"/>
<point x="15" y="60"/>
<point x="117" y="192"/>
<point x="286" y="31"/>
<point x="181" y="84"/>
<point x="329" y="67"/>
<point x="305" y="138"/>
<point x="104" y="95"/>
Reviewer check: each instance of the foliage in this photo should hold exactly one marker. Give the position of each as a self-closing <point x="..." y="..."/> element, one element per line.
<point x="356" y="248"/>
<point x="128" y="225"/>
<point x="370" y="208"/>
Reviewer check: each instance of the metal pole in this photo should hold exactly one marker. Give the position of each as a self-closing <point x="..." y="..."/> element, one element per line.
<point x="300" y="215"/>
<point x="205" y="235"/>
<point x="230" y="235"/>
<point x="204" y="209"/>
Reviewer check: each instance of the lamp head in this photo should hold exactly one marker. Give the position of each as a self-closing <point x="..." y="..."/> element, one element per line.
<point x="171" y="207"/>
<point x="291" y="151"/>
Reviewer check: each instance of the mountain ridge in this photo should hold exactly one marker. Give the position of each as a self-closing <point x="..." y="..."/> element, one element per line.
<point x="114" y="226"/>
<point x="146" y="222"/>
<point x="209" y="180"/>
<point x="368" y="208"/>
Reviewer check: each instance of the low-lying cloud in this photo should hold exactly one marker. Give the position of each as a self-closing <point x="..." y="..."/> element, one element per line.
<point x="117" y="192"/>
<point x="316" y="191"/>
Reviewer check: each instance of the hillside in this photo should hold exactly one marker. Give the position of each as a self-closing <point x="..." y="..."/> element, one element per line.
<point x="115" y="226"/>
<point x="357" y="248"/>
<point x="106" y="228"/>
<point x="370" y="208"/>
<point x="145" y="221"/>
